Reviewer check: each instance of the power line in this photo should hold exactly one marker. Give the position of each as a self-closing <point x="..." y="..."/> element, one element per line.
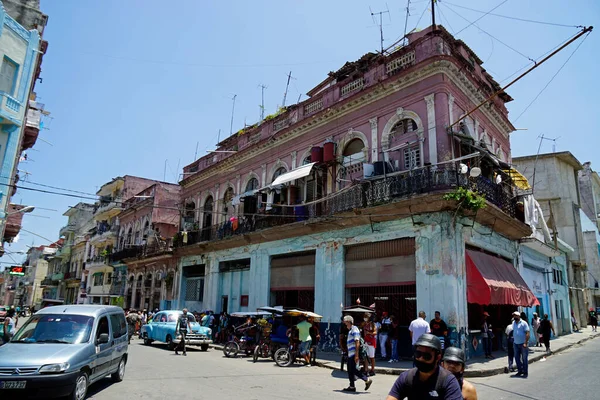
<point x="447" y="20"/>
<point x="514" y="18"/>
<point x="423" y="13"/>
<point x="490" y="35"/>
<point x="473" y="23"/>
<point x="551" y="79"/>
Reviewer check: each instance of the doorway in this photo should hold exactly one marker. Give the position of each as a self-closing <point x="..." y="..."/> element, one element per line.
<point x="224" y="303"/>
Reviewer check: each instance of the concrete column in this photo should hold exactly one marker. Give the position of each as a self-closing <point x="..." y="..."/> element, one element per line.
<point x="450" y="109"/>
<point x="260" y="277"/>
<point x="263" y="175"/>
<point x="125" y="304"/>
<point x="217" y="206"/>
<point x="431" y="129"/>
<point x="374" y="140"/>
<point x="330" y="278"/>
<point x="151" y="291"/>
<point x="133" y="293"/>
<point x="441" y="273"/>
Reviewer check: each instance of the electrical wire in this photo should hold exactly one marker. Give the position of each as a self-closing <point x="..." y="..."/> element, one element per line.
<point x="447" y="20"/>
<point x="473" y="23"/>
<point x="513" y="18"/>
<point x="423" y="13"/>
<point x="490" y="35"/>
<point x="551" y="79"/>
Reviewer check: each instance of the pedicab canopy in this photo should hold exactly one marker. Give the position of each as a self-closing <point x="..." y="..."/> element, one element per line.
<point x="492" y="280"/>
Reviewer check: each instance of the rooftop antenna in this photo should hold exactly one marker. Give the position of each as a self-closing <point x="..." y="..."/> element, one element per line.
<point x="433" y="15"/>
<point x="380" y="13"/>
<point x="196" y="152"/>
<point x="232" y="111"/>
<point x="406" y="20"/>
<point x="542" y="138"/>
<point x="289" y="76"/>
<point x="262" y="101"/>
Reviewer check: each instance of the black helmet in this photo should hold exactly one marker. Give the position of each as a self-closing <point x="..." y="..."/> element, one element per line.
<point x="454" y="354"/>
<point x="428" y="340"/>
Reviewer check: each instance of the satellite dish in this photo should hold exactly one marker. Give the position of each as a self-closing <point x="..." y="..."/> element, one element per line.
<point x="498" y="179"/>
<point x="475" y="172"/>
<point x="463" y="169"/>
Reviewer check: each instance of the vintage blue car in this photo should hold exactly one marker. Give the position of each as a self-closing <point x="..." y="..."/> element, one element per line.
<point x="162" y="329"/>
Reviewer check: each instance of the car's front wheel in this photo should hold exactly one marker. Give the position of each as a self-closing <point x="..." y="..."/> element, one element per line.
<point x="81" y="387"/>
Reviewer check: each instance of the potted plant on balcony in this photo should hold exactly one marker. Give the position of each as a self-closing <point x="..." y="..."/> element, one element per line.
<point x="468" y="202"/>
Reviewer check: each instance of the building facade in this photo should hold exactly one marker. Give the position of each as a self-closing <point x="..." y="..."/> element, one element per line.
<point x="357" y="192"/>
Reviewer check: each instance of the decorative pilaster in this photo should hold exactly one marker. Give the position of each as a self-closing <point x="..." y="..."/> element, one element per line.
<point x="431" y="129"/>
<point x="374" y="140"/>
<point x="263" y="177"/>
<point x="294" y="155"/>
<point x="451" y="108"/>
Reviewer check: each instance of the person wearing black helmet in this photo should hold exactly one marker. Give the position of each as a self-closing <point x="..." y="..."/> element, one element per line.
<point x="454" y="361"/>
<point x="427" y="380"/>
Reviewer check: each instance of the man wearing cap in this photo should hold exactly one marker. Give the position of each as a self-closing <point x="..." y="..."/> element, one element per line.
<point x="521" y="339"/>
<point x="427" y="380"/>
<point x="454" y="361"/>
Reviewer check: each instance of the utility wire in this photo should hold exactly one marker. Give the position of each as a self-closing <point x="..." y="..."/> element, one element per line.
<point x="447" y="20"/>
<point x="551" y="79"/>
<point x="473" y="23"/>
<point x="490" y="35"/>
<point x="423" y="13"/>
<point x="514" y="18"/>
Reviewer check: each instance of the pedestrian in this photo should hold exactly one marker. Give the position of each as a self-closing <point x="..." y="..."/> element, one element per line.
<point x="9" y="326"/>
<point x="417" y="328"/>
<point x="426" y="380"/>
<point x="487" y="335"/>
<point x="510" y="347"/>
<point x="521" y="345"/>
<point x="304" y="337"/>
<point x="535" y="324"/>
<point x="182" y="328"/>
<point x="370" y="334"/>
<point x="574" y="322"/>
<point x="378" y="327"/>
<point x="593" y="320"/>
<point x="440" y="329"/>
<point x="353" y="348"/>
<point x="544" y="330"/>
<point x="394" y="336"/>
<point x="132" y="320"/>
<point x="386" y="324"/>
<point x="454" y="361"/>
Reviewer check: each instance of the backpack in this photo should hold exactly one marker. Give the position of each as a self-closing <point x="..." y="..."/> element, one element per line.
<point x="362" y="351"/>
<point x="439" y="384"/>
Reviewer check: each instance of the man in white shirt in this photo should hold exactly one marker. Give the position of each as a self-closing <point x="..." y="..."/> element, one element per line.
<point x="418" y="327"/>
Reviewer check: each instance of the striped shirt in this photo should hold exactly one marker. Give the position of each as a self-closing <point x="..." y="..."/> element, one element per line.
<point x="353" y="336"/>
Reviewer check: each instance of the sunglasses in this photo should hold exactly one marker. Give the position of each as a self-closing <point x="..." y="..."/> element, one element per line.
<point x="423" y="355"/>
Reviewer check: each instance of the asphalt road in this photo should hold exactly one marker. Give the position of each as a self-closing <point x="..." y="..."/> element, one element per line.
<point x="155" y="373"/>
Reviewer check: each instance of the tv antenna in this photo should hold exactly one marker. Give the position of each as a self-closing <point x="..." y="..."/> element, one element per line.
<point x="232" y="112"/>
<point x="289" y="76"/>
<point x="542" y="138"/>
<point x="406" y="20"/>
<point x="380" y="13"/>
<point x="262" y="101"/>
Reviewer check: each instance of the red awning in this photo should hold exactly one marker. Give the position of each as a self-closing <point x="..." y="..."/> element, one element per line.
<point x="492" y="280"/>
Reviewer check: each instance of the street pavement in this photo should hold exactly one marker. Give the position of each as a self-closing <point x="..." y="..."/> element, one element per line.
<point x="156" y="373"/>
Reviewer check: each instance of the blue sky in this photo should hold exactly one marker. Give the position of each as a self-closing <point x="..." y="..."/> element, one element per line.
<point x="133" y="83"/>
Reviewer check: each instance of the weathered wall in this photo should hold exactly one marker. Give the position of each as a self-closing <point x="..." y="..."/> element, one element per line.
<point x="27" y="13"/>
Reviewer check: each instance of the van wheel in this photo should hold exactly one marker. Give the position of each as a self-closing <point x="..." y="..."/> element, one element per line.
<point x="170" y="344"/>
<point x="120" y="372"/>
<point x="81" y="387"/>
<point x="204" y="347"/>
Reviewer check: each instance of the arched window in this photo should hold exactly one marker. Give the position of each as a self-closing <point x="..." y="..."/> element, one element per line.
<point x="251" y="185"/>
<point x="306" y="160"/>
<point x="207" y="218"/>
<point x="190" y="211"/>
<point x="280" y="171"/>
<point x="354" y="149"/>
<point x="129" y="236"/>
<point x="404" y="126"/>
<point x="228" y="207"/>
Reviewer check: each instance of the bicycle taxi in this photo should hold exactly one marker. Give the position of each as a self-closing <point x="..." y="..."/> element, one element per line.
<point x="247" y="335"/>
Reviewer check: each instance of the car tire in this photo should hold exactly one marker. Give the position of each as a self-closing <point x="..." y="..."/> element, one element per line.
<point x="204" y="347"/>
<point x="81" y="387"/>
<point x="120" y="372"/>
<point x="170" y="343"/>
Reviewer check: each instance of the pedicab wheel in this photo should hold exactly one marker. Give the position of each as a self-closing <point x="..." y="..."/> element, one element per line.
<point x="255" y="355"/>
<point x="283" y="357"/>
<point x="231" y="349"/>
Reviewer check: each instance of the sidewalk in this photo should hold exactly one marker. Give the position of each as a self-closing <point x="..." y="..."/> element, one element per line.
<point x="476" y="367"/>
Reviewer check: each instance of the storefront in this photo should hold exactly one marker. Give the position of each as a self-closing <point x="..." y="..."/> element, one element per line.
<point x="494" y="286"/>
<point x="292" y="280"/>
<point x="234" y="276"/>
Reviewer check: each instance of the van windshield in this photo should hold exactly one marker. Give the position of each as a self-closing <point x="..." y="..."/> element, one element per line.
<point x="55" y="328"/>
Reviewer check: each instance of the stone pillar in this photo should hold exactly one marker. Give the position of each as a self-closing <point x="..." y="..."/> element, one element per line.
<point x="151" y="298"/>
<point x="450" y="109"/>
<point x="441" y="273"/>
<point x="125" y="303"/>
<point x="260" y="278"/>
<point x="133" y="293"/>
<point x="330" y="277"/>
<point x="431" y="129"/>
<point x="374" y="140"/>
<point x="294" y="155"/>
<point x="212" y="300"/>
<point x="263" y="176"/>
<point x="217" y="206"/>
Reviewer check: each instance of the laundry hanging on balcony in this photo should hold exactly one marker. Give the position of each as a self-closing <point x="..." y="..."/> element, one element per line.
<point x="492" y="280"/>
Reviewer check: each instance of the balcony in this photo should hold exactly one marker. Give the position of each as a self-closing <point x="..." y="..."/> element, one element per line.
<point x="47" y="282"/>
<point x="417" y="191"/>
<point x="59" y="276"/>
<point x="143" y="251"/>
<point x="97" y="261"/>
<point x="73" y="275"/>
<point x="65" y="230"/>
<point x="105" y="232"/>
<point x="64" y="251"/>
<point x="108" y="208"/>
<point x="32" y="125"/>
<point x="10" y="108"/>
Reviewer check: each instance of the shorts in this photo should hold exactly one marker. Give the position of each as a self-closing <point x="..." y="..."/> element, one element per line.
<point x="305" y="347"/>
<point x="370" y="351"/>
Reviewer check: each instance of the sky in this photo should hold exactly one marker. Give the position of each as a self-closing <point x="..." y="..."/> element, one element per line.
<point x="136" y="86"/>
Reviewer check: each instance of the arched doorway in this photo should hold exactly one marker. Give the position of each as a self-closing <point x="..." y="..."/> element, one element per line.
<point x="228" y="208"/>
<point x="207" y="219"/>
<point x="189" y="216"/>
<point x="352" y="164"/>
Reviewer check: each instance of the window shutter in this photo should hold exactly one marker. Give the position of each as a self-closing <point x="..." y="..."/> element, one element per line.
<point x="7" y="76"/>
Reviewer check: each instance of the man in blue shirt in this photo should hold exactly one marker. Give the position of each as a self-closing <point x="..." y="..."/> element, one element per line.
<point x="521" y="339"/>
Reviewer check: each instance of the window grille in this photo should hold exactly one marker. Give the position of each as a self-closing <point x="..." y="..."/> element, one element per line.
<point x="412" y="158"/>
<point x="353" y="86"/>
<point x="194" y="289"/>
